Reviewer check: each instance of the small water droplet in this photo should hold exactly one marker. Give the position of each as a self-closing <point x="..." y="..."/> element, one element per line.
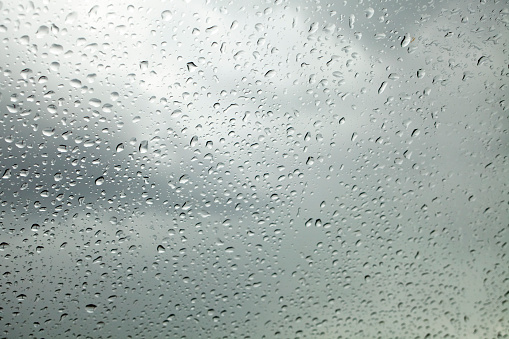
<point x="369" y="12"/>
<point x="49" y="131"/>
<point x="270" y="74"/>
<point x="212" y="30"/>
<point x="166" y="15"/>
<point x="75" y="83"/>
<point x="191" y="66"/>
<point x="143" y="148"/>
<point x="94" y="102"/>
<point x="42" y="31"/>
<point x="351" y="21"/>
<point x="56" y="49"/>
<point x="406" y="40"/>
<point x="99" y="181"/>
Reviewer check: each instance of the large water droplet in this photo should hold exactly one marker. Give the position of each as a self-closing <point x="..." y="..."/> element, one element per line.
<point x="90" y="308"/>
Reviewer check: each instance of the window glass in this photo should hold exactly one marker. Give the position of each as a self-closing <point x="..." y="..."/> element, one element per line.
<point x="254" y="169"/>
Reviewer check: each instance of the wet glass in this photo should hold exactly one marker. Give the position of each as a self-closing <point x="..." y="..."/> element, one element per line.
<point x="265" y="169"/>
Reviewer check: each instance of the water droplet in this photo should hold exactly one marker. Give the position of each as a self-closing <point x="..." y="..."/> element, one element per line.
<point x="369" y="12"/>
<point x="176" y="113"/>
<point x="143" y="148"/>
<point x="24" y="40"/>
<point x="270" y="74"/>
<point x="48" y="131"/>
<point x="351" y="21"/>
<point x="406" y="40"/>
<point x="191" y="66"/>
<point x="75" y="83"/>
<point x="94" y="102"/>
<point x="166" y="15"/>
<point x="90" y="308"/>
<point x="313" y="28"/>
<point x="7" y="174"/>
<point x="212" y="30"/>
<point x="54" y="66"/>
<point x="42" y="31"/>
<point x="99" y="181"/>
<point x="56" y="49"/>
<point x="13" y="108"/>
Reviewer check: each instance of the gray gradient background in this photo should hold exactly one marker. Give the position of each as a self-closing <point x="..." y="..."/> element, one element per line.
<point x="292" y="192"/>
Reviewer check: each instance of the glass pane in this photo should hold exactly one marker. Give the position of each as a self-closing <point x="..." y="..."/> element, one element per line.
<point x="254" y="169"/>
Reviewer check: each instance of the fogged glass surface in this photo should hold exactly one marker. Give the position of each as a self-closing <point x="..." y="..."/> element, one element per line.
<point x="254" y="169"/>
